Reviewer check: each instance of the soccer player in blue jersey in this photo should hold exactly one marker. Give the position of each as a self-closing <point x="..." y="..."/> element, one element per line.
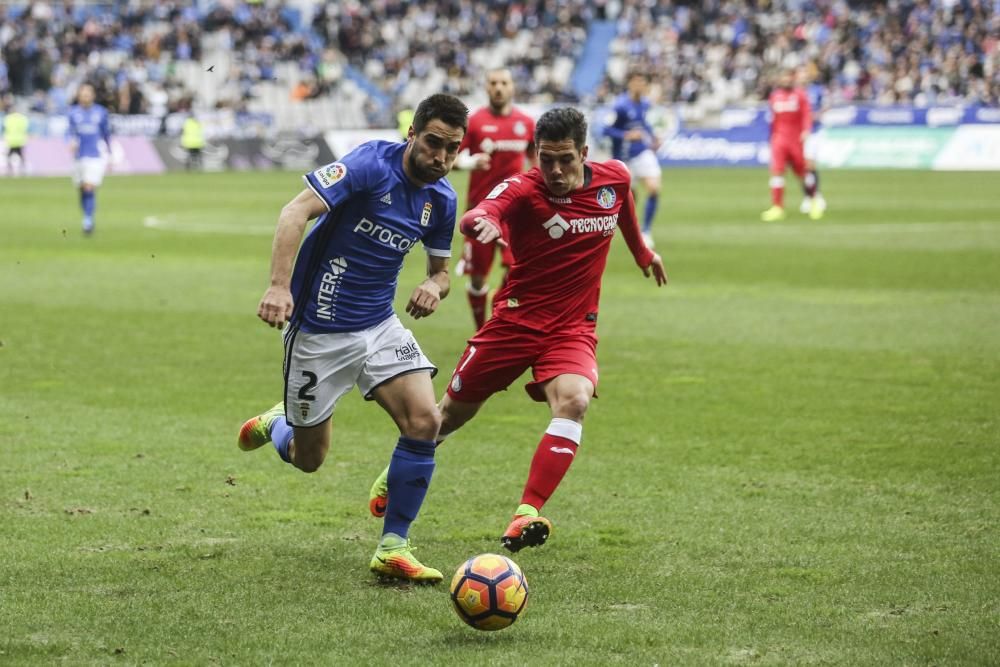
<point x="634" y="143"/>
<point x="88" y="127"/>
<point x="373" y="206"/>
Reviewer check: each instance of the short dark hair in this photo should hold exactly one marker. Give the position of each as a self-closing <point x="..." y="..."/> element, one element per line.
<point x="446" y="108"/>
<point x="561" y="124"/>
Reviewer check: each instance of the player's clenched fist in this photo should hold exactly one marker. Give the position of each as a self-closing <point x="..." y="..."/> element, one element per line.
<point x="275" y="306"/>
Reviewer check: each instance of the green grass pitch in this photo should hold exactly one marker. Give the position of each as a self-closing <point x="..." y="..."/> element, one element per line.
<point x="794" y="458"/>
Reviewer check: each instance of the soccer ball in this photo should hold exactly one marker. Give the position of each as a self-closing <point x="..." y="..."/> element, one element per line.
<point x="489" y="592"/>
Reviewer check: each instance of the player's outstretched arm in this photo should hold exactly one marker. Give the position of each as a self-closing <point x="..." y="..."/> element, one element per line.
<point x="275" y="306"/>
<point x="427" y="296"/>
<point x="480" y="225"/>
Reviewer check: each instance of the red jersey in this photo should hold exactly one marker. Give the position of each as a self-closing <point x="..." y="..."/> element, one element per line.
<point x="791" y="115"/>
<point x="506" y="139"/>
<point x="560" y="244"/>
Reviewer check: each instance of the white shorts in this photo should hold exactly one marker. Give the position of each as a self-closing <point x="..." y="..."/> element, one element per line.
<point x="645" y="165"/>
<point x="320" y="368"/>
<point x="89" y="170"/>
<point x="810" y="149"/>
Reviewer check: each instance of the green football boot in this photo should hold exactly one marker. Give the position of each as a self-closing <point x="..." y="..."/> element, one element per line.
<point x="378" y="496"/>
<point x="394" y="558"/>
<point x="256" y="431"/>
<point x="773" y="214"/>
<point x="817" y="208"/>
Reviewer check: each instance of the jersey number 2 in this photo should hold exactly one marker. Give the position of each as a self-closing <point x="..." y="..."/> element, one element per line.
<point x="304" y="390"/>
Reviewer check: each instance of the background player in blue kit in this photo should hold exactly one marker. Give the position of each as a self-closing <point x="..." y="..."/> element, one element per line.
<point x="634" y="143"/>
<point x="88" y="126"/>
<point x="373" y="206"/>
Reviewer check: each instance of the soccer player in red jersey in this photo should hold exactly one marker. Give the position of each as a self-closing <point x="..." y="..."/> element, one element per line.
<point x="561" y="217"/>
<point x="499" y="140"/>
<point x="791" y="124"/>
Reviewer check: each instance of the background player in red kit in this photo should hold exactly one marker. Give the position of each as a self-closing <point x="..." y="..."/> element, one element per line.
<point x="499" y="139"/>
<point x="561" y="217"/>
<point x="791" y="123"/>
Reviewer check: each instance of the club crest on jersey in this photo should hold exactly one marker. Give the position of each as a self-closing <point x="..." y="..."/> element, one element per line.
<point x="330" y="174"/>
<point x="425" y="217"/>
<point x="606" y="197"/>
<point x="520" y="129"/>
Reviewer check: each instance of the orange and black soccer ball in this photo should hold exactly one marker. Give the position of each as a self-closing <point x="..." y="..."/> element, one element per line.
<point x="489" y="592"/>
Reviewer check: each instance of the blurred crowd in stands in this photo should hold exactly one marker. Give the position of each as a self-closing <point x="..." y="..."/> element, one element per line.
<point x="909" y="52"/>
<point x="723" y="52"/>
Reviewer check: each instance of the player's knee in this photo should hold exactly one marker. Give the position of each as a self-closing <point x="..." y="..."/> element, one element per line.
<point x="423" y="424"/>
<point x="573" y="405"/>
<point x="477" y="282"/>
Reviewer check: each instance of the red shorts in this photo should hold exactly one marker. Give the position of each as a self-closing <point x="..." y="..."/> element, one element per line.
<point x="501" y="351"/>
<point x="478" y="257"/>
<point x="786" y="151"/>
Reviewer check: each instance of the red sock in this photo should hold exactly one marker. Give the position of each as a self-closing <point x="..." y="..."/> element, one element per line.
<point x="477" y="301"/>
<point x="552" y="459"/>
<point x="777" y="184"/>
<point x="778" y="195"/>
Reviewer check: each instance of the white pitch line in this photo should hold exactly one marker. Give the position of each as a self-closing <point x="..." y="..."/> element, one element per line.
<point x="167" y="225"/>
<point x="819" y="228"/>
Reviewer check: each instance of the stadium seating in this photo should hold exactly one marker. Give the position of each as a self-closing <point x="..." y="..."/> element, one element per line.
<point x="348" y="64"/>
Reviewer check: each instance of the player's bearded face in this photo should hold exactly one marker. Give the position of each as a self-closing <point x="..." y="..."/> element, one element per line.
<point x="432" y="152"/>
<point x="561" y="165"/>
<point x="501" y="89"/>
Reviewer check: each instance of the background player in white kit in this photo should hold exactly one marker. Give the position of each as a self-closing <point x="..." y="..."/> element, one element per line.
<point x="373" y="206"/>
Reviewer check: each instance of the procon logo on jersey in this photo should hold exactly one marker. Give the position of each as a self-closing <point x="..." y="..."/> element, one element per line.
<point x="329" y="288"/>
<point x="382" y="235"/>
